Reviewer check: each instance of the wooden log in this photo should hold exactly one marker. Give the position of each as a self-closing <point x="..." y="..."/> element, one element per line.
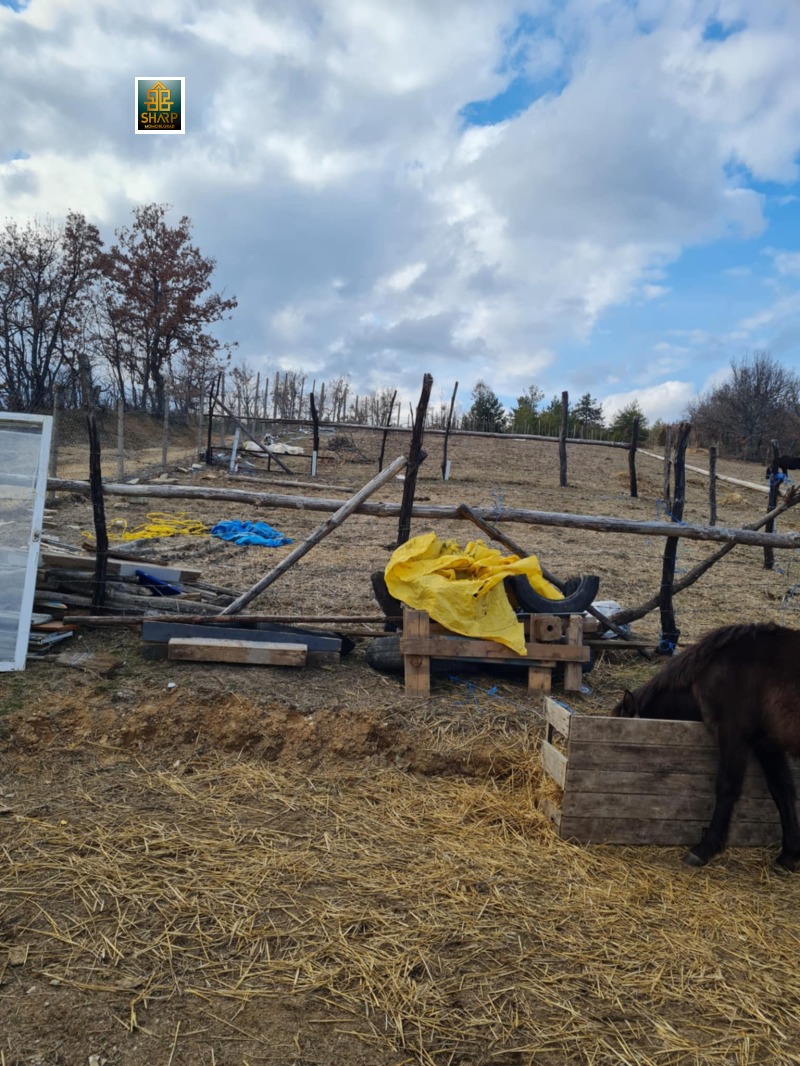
<point x="103" y="620"/>
<point x="632" y="459"/>
<point x="442" y="513"/>
<point x="243" y="652"/>
<point x="319" y="534"/>
<point x="712" y="485"/>
<point x="720" y="477"/>
<point x="562" y="441"/>
<point x="669" y="629"/>
<point x="415" y="458"/>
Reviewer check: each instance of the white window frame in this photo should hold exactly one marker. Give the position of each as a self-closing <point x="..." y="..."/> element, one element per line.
<point x="9" y="419"/>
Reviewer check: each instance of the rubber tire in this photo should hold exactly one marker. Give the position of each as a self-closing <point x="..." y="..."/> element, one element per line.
<point x="579" y="594"/>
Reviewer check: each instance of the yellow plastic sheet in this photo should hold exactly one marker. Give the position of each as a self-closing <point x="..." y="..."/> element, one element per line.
<point x="462" y="588"/>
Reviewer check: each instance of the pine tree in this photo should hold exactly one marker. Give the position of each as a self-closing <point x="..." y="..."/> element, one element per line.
<point x="487" y="413"/>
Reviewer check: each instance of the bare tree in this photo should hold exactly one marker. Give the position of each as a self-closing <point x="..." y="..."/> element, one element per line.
<point x="159" y="300"/>
<point x="47" y="273"/>
<point x="759" y="403"/>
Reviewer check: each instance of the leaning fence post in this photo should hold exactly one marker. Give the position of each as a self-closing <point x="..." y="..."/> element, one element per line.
<point x="445" y="461"/>
<point x="774" y="485"/>
<point x="562" y="444"/>
<point x="415" y="457"/>
<point x="632" y="458"/>
<point x="712" y="485"/>
<point x="669" y="630"/>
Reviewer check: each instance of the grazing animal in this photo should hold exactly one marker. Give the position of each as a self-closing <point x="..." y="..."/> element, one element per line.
<point x="786" y="463"/>
<point x="743" y="682"/>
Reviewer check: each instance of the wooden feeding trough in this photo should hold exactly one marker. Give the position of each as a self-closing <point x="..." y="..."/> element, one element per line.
<point x="424" y="640"/>
<point x="644" y="781"/>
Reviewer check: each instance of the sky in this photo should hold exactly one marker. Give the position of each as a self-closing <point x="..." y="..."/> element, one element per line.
<point x="600" y="196"/>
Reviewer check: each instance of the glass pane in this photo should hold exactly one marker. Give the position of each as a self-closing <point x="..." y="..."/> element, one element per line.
<point x="20" y="445"/>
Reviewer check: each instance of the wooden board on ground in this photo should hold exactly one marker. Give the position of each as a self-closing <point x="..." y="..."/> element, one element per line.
<point x="242" y="652"/>
<point x="119" y="567"/>
<point x="321" y="650"/>
<point x="640" y="781"/>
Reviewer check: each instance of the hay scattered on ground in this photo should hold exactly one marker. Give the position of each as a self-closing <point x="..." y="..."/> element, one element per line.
<point x="442" y="916"/>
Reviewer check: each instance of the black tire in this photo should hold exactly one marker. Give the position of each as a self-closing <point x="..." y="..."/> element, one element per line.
<point x="578" y="595"/>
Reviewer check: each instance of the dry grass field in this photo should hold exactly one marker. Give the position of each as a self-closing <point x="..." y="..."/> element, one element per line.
<point x="230" y="866"/>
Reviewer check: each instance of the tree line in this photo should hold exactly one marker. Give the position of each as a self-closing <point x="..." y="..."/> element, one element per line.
<point x="531" y="414"/>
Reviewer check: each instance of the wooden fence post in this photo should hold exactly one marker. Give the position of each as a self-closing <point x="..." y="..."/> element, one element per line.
<point x="386" y="431"/>
<point x="315" y="442"/>
<point x="632" y="458"/>
<point x="165" y="432"/>
<point x="99" y="514"/>
<point x="774" y="486"/>
<point x="52" y="469"/>
<point x="667" y="464"/>
<point x="445" y="464"/>
<point x="120" y="437"/>
<point x="562" y="444"/>
<point x="669" y="630"/>
<point x="415" y="457"/>
<point x="712" y="485"/>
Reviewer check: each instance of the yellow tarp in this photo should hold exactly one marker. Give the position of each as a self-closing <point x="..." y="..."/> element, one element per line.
<point x="462" y="588"/>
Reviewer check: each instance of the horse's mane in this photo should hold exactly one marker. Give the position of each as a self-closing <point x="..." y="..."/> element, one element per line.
<point x="684" y="669"/>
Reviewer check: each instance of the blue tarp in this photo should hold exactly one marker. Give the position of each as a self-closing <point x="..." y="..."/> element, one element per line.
<point x="249" y="533"/>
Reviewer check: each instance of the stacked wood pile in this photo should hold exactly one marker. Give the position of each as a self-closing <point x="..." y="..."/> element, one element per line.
<point x="66" y="581"/>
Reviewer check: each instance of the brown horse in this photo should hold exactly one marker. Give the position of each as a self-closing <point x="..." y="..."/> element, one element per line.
<point x="744" y="683"/>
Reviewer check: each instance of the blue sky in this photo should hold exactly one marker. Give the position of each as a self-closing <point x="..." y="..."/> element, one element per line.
<point x="592" y="195"/>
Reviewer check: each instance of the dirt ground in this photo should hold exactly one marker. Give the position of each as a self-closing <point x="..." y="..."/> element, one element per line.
<point x="229" y="865"/>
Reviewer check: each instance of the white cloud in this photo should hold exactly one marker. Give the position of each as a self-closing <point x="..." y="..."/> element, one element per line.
<point x="666" y="401"/>
<point x="327" y="169"/>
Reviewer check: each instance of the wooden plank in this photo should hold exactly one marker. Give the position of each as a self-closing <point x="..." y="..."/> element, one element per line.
<point x="670" y="807"/>
<point x="244" y="652"/>
<point x="622" y="782"/>
<point x="653" y="758"/>
<point x="161" y="632"/>
<point x="640" y="831"/>
<point x="602" y="729"/>
<point x="540" y="679"/>
<point x="457" y="647"/>
<point x="417" y="665"/>
<point x="554" y="764"/>
<point x="558" y="716"/>
<point x="573" y="675"/>
<point x="157" y="652"/>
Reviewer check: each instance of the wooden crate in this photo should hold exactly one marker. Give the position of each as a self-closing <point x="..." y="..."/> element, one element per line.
<point x="640" y="781"/>
<point x="424" y="640"/>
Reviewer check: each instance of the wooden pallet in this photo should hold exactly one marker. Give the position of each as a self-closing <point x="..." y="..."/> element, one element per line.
<point x="644" y="781"/>
<point x="424" y="640"/>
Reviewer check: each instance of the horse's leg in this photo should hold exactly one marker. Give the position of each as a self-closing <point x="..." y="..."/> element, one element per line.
<point x="782" y="789"/>
<point x="731" y="766"/>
